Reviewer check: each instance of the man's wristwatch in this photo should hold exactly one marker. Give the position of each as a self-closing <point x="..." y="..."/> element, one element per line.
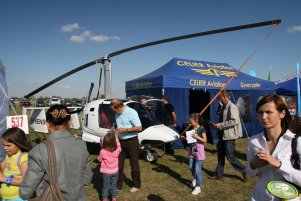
<point x="8" y="180"/>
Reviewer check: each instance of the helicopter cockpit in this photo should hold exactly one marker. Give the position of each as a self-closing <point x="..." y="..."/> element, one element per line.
<point x="150" y="115"/>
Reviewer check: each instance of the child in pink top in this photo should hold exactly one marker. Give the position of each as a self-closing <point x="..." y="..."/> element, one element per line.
<point x="108" y="156"/>
<point x="197" y="152"/>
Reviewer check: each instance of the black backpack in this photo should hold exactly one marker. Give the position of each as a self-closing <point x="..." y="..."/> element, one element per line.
<point x="296" y="160"/>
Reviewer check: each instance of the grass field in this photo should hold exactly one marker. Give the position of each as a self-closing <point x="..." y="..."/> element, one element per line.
<point x="169" y="179"/>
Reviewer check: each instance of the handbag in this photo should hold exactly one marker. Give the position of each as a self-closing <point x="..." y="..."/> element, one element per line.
<point x="52" y="190"/>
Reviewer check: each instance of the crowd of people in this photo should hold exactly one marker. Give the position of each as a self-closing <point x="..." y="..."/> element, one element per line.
<point x="25" y="172"/>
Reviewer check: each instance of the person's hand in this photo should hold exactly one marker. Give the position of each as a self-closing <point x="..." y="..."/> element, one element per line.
<point x="257" y="163"/>
<point x="265" y="156"/>
<point x="2" y="178"/>
<point x="121" y="130"/>
<point x="214" y="125"/>
<point x="174" y="125"/>
<point x="194" y="136"/>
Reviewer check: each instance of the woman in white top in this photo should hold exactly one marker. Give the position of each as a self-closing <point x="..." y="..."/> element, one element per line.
<point x="269" y="152"/>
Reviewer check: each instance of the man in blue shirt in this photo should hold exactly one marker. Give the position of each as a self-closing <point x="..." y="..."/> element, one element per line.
<point x="128" y="126"/>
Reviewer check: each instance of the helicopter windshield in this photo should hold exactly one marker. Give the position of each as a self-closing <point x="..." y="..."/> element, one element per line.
<point x="148" y="115"/>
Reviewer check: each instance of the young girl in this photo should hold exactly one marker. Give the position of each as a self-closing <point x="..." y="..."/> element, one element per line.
<point x="14" y="166"/>
<point x="196" y="152"/>
<point x="108" y="156"/>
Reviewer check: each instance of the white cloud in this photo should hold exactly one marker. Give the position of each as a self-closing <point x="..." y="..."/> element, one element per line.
<point x="69" y="27"/>
<point x="86" y="35"/>
<point x="103" y="38"/>
<point x="81" y="38"/>
<point x="96" y="38"/>
<point x="294" y="29"/>
<point x="78" y="38"/>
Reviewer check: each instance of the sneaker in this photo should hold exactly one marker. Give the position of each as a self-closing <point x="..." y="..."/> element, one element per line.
<point x="197" y="190"/>
<point x="134" y="190"/>
<point x="193" y="183"/>
<point x="104" y="199"/>
<point x="114" y="199"/>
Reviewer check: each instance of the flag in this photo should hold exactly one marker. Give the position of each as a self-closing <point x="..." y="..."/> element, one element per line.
<point x="270" y="72"/>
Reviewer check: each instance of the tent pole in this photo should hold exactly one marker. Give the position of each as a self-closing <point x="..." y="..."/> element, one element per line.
<point x="6" y="96"/>
<point x="298" y="90"/>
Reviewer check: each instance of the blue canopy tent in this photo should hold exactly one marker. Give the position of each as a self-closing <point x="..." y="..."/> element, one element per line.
<point x="190" y="85"/>
<point x="3" y="107"/>
<point x="288" y="88"/>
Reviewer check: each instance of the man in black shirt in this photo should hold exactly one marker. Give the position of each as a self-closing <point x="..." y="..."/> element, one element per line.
<point x="169" y="119"/>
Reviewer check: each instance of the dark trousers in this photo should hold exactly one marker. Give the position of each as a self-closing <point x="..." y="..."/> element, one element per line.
<point x="226" y="148"/>
<point x="167" y="146"/>
<point x="109" y="185"/>
<point x="130" y="148"/>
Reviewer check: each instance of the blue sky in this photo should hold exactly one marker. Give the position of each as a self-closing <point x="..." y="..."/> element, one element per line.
<point x="41" y="39"/>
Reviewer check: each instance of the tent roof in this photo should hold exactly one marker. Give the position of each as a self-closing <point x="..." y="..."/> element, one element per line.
<point x="183" y="73"/>
<point x="288" y="87"/>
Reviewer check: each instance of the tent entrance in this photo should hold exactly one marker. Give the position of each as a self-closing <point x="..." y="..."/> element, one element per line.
<point x="198" y="99"/>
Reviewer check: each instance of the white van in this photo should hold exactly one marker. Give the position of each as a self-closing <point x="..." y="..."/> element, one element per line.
<point x="55" y="100"/>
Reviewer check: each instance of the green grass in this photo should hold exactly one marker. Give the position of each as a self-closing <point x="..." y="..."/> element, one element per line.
<point x="170" y="177"/>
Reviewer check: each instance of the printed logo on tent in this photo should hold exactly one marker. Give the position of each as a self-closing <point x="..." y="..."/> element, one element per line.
<point x="139" y="85"/>
<point x="209" y="69"/>
<point x="218" y="73"/>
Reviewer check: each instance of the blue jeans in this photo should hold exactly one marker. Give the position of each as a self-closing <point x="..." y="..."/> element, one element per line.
<point x="195" y="167"/>
<point x="226" y="148"/>
<point x="109" y="184"/>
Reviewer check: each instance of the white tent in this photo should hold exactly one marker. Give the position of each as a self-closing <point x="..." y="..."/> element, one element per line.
<point x="3" y="106"/>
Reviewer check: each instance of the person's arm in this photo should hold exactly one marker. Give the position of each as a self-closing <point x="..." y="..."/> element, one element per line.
<point x="2" y="166"/>
<point x="129" y="130"/>
<point x="230" y="123"/>
<point x="99" y="156"/>
<point x="174" y="118"/>
<point x="251" y="168"/>
<point x="289" y="173"/>
<point x="34" y="174"/>
<point x="17" y="181"/>
<point x="202" y="138"/>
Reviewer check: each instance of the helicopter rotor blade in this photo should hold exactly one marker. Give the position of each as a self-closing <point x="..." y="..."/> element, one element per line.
<point x="217" y="31"/>
<point x="99" y="85"/>
<point x="167" y="40"/>
<point x="90" y="92"/>
<point x="75" y="70"/>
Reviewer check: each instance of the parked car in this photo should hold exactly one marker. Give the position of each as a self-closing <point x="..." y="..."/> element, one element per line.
<point x="40" y="103"/>
<point x="26" y="104"/>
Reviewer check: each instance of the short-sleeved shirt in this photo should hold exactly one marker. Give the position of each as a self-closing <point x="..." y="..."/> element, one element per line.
<point x="11" y="168"/>
<point x="167" y="112"/>
<point x="197" y="149"/>
<point x="128" y="119"/>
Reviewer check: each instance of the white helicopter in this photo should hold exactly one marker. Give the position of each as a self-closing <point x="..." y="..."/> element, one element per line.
<point x="97" y="118"/>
